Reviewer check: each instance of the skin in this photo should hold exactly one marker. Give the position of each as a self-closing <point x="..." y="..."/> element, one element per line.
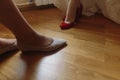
<point x="71" y="10"/>
<point x="12" y="18"/>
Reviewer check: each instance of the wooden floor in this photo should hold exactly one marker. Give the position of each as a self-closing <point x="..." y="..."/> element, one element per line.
<point x="92" y="53"/>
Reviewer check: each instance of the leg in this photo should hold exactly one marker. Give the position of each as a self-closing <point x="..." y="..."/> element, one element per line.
<point x="14" y="20"/>
<point x="74" y="7"/>
<point x="71" y="11"/>
<point x="17" y="23"/>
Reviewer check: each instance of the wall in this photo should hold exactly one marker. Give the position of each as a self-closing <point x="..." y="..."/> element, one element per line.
<point x="26" y="1"/>
<point x="21" y="1"/>
<point x="30" y="4"/>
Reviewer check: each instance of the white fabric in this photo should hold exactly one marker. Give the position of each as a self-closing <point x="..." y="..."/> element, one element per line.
<point x="109" y="8"/>
<point x="61" y="4"/>
<point x="42" y="2"/>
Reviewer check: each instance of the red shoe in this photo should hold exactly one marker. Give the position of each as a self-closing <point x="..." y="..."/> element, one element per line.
<point x="64" y="25"/>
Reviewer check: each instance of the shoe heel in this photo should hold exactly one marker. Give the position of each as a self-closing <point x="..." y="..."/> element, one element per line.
<point x="78" y="13"/>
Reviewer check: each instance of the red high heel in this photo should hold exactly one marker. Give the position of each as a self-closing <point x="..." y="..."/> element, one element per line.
<point x="64" y="25"/>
